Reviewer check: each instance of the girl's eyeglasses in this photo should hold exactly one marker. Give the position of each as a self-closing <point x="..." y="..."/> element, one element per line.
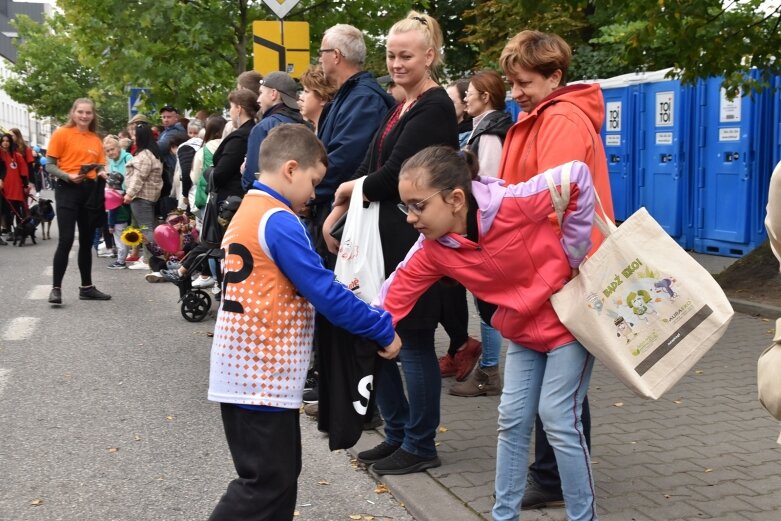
<point x="417" y="208"/>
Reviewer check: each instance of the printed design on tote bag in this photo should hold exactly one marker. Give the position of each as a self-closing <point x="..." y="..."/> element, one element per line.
<point x="635" y="300"/>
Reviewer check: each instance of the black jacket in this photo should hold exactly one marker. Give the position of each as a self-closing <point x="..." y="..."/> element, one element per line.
<point x="227" y="162"/>
<point x="495" y="123"/>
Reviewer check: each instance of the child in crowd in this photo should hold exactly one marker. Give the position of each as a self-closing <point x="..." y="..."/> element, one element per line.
<point x="273" y="276"/>
<point x="498" y="242"/>
<point x="118" y="220"/>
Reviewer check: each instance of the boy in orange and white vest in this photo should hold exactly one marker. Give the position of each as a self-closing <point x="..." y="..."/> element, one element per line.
<point x="273" y="282"/>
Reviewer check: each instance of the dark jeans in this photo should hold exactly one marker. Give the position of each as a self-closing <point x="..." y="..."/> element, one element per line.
<point x="412" y="421"/>
<point x="266" y="451"/>
<point x="70" y="201"/>
<point x="544" y="470"/>
<point x="455" y="315"/>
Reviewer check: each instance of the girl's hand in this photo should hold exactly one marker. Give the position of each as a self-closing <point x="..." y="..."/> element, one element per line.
<point x="343" y="193"/>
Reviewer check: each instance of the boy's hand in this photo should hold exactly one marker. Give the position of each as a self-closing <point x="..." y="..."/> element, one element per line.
<point x="392" y="351"/>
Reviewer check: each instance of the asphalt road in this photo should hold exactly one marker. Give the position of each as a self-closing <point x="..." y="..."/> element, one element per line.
<point x="103" y="410"/>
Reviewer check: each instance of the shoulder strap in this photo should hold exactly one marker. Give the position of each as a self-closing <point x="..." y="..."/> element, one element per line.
<point x="561" y="200"/>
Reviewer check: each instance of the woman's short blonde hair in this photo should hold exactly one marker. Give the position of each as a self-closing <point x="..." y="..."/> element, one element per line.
<point x="429" y="28"/>
<point x="541" y="52"/>
<point x="314" y="80"/>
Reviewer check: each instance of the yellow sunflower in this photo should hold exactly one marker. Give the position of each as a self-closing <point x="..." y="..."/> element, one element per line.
<point x="132" y="236"/>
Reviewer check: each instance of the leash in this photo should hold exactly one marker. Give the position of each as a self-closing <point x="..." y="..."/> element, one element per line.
<point x="13" y="208"/>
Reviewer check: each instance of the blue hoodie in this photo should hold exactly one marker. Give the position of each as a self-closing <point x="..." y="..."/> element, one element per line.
<point x="346" y="128"/>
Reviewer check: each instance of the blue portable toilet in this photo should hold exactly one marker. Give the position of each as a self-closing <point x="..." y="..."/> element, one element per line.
<point x="618" y="137"/>
<point x="776" y="122"/>
<point x="663" y="150"/>
<point x="729" y="186"/>
<point x="511" y="107"/>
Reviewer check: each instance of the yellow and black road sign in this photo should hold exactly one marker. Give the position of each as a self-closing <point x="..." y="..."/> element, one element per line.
<point x="281" y="46"/>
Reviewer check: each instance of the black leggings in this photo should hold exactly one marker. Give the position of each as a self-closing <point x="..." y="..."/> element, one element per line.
<point x="72" y="212"/>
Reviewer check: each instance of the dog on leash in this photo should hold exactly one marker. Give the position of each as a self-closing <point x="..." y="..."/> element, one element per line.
<point x="25" y="229"/>
<point x="43" y="212"/>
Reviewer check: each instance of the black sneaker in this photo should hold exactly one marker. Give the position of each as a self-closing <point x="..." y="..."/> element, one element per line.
<point x="55" y="296"/>
<point x="311" y="396"/>
<point x="403" y="462"/>
<point x="537" y="497"/>
<point x="380" y="452"/>
<point x="311" y="380"/>
<point x="92" y="293"/>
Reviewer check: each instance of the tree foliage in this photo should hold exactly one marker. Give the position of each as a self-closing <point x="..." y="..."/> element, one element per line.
<point x="190" y="51"/>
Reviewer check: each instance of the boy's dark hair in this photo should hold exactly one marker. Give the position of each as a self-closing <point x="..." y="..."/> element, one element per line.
<point x="442" y="168"/>
<point x="177" y="138"/>
<point x="291" y="142"/>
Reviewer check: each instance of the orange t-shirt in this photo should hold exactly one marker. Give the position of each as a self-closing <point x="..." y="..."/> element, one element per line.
<point x="73" y="148"/>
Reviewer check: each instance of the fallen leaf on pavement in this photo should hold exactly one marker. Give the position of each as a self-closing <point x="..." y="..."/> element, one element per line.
<point x="355" y="516"/>
<point x="677" y="401"/>
<point x="442" y="429"/>
<point x="36" y="502"/>
<point x="136" y="438"/>
<point x="380" y="489"/>
<point x="323" y="482"/>
<point x="113" y="449"/>
<point x="699" y="371"/>
<point x="708" y="470"/>
<point x="296" y="513"/>
<point x="169" y="418"/>
<point x="618" y="404"/>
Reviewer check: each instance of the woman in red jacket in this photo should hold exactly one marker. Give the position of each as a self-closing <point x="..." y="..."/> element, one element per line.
<point x="15" y="182"/>
<point x="559" y="123"/>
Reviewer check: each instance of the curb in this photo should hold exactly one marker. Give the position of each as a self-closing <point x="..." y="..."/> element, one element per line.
<point x="423" y="496"/>
<point x="754" y="308"/>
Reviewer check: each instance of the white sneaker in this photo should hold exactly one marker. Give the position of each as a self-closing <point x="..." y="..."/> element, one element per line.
<point x="155" y="276"/>
<point x="139" y="265"/>
<point x="200" y="282"/>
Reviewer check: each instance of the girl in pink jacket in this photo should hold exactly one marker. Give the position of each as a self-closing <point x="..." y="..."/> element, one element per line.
<point x="497" y="241"/>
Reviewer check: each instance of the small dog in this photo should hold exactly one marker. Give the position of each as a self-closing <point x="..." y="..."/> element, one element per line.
<point x="44" y="212"/>
<point x="25" y="229"/>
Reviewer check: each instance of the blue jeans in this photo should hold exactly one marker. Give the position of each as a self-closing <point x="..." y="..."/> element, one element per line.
<point x="554" y="384"/>
<point x="492" y="345"/>
<point x="411" y="422"/>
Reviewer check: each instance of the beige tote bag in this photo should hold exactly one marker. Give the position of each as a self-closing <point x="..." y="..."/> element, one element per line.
<point x="641" y="305"/>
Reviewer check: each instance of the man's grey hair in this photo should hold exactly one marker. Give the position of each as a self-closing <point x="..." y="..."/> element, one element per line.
<point x="349" y="41"/>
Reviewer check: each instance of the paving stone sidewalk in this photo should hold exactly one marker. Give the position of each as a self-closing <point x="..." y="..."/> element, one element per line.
<point x="705" y="450"/>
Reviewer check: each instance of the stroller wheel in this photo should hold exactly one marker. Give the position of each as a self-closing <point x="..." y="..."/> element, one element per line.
<point x="196" y="305"/>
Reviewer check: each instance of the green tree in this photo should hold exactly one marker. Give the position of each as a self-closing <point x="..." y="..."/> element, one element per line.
<point x="47" y="76"/>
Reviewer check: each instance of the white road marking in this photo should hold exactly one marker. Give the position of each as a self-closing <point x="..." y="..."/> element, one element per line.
<point x="5" y="375"/>
<point x="39" y="292"/>
<point x="20" y="328"/>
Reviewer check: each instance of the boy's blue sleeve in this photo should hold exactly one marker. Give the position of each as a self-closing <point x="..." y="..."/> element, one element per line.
<point x="292" y="251"/>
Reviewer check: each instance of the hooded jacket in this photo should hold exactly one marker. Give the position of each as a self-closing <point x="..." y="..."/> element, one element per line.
<point x="517" y="263"/>
<point x="274" y="116"/>
<point x="563" y="127"/>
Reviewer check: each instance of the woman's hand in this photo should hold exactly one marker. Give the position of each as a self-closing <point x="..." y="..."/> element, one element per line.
<point x="330" y="241"/>
<point x="76" y="178"/>
<point x="343" y="193"/>
<point x="127" y="199"/>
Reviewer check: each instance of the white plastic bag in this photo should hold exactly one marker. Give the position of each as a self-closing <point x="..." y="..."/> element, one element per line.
<point x="359" y="263"/>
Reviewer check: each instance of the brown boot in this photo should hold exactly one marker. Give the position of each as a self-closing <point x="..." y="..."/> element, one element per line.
<point x="484" y="381"/>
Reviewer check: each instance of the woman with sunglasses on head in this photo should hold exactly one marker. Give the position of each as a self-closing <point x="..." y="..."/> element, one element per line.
<point x="76" y="158"/>
<point x="425" y="117"/>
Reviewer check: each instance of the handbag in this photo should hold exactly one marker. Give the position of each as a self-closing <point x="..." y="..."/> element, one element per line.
<point x="359" y="262"/>
<point x="640" y="304"/>
<point x="769" y="376"/>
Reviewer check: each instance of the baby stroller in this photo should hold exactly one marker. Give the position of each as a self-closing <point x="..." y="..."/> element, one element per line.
<point x="195" y="302"/>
